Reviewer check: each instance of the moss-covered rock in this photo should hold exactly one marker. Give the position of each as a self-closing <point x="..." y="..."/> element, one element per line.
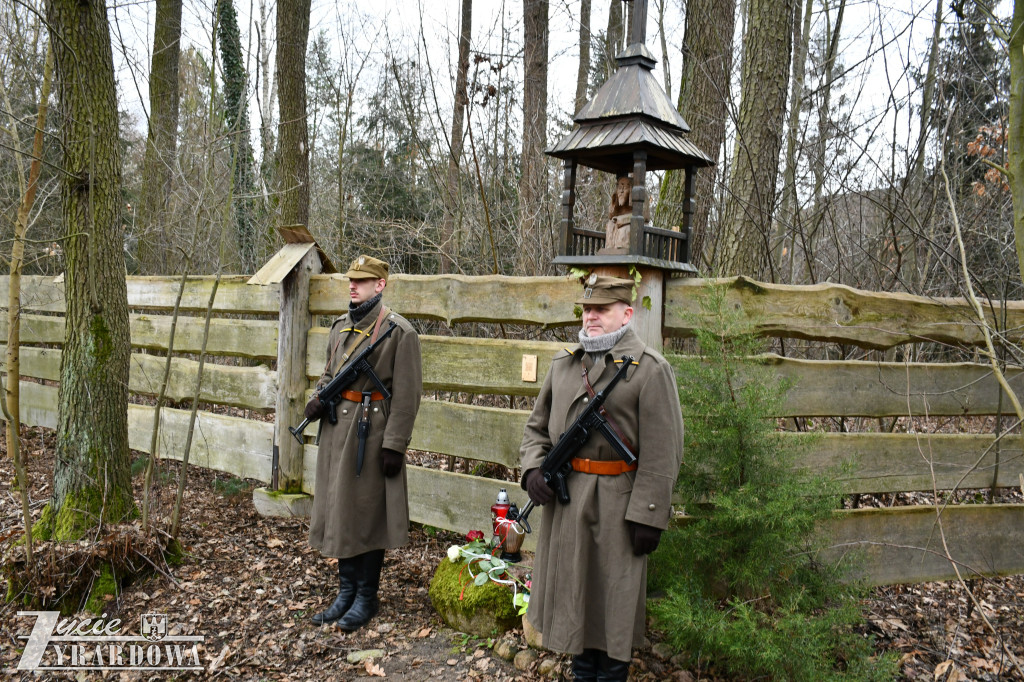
<point x="483" y="610"/>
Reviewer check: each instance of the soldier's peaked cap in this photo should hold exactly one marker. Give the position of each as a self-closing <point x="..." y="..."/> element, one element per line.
<point x="601" y="290"/>
<point x="368" y="267"/>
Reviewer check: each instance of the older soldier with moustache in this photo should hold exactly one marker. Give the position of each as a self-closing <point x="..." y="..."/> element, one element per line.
<point x="590" y="573"/>
<point x="360" y="504"/>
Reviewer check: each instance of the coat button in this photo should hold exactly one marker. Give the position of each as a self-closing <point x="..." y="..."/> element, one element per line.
<point x="376" y="409"/>
<point x="344" y="411"/>
<point x="651" y="507"/>
<point x="586" y="400"/>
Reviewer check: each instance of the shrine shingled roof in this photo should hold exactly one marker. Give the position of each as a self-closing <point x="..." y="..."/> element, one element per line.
<point x="630" y="111"/>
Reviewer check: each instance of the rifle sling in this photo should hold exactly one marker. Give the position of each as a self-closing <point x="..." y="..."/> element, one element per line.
<point x="603" y="412"/>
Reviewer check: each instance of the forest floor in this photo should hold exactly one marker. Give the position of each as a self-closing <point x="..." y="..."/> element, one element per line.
<point x="249" y="584"/>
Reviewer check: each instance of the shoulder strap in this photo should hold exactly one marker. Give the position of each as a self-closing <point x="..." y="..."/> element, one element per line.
<point x="384" y="311"/>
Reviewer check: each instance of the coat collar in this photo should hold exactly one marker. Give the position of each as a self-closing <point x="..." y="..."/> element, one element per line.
<point x="370" y="319"/>
<point x="629" y="344"/>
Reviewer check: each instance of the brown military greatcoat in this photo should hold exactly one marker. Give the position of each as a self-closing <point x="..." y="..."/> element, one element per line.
<point x="352" y="515"/>
<point x="588" y="587"/>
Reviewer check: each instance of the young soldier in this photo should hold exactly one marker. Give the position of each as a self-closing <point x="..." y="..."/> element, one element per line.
<point x="590" y="572"/>
<point x="360" y="505"/>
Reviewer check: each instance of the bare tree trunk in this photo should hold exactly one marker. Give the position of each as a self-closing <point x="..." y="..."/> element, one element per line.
<point x="293" y="133"/>
<point x="161" y="397"/>
<point x="450" y="247"/>
<point x="183" y="473"/>
<point x="1015" y="130"/>
<point x="819" y="150"/>
<point x="927" y="97"/>
<point x="703" y="102"/>
<point x="665" y="68"/>
<point x="747" y="216"/>
<point x="824" y="110"/>
<point x="267" y="94"/>
<point x="789" y="211"/>
<point x="533" y="183"/>
<point x="918" y="272"/>
<point x="19" y="472"/>
<point x="92" y="472"/>
<point x="583" y="73"/>
<point x="162" y="140"/>
<point x="614" y="35"/>
<point x="11" y="403"/>
<point x="28" y="197"/>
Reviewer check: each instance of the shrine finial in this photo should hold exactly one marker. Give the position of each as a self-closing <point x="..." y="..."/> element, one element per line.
<point x="638" y="27"/>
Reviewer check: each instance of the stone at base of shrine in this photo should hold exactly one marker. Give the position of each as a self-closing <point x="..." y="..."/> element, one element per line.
<point x="483" y="610"/>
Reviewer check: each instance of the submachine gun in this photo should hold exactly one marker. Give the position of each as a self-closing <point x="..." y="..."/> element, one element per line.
<point x="557" y="464"/>
<point x="330" y="395"/>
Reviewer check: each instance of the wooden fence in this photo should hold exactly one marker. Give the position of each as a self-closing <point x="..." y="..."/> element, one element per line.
<point x="897" y="544"/>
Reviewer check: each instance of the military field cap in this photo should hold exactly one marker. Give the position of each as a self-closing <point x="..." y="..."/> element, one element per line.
<point x="367" y="267"/>
<point x="600" y="290"/>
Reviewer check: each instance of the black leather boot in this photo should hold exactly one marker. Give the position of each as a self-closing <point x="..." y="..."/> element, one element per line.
<point x="612" y="670"/>
<point x="366" y="604"/>
<point x="586" y="665"/>
<point x="346" y="594"/>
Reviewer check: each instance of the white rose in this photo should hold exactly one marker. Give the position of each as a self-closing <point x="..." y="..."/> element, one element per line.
<point x="454" y="552"/>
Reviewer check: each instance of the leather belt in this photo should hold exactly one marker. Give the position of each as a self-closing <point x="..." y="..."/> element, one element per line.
<point x="611" y="467"/>
<point x="357" y="397"/>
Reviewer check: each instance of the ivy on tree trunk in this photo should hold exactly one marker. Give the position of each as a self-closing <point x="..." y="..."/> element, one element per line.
<point x="236" y="118"/>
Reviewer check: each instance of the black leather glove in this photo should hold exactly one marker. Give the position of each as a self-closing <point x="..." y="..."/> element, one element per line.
<point x="644" y="538"/>
<point x="391" y="462"/>
<point x="313" y="408"/>
<point x="536" y="488"/>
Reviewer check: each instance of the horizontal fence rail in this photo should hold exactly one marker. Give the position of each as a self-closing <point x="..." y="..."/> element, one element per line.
<point x="899" y="544"/>
<point x="842" y="314"/>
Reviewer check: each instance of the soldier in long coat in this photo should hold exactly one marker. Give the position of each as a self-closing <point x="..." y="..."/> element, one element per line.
<point x="362" y="508"/>
<point x="590" y="572"/>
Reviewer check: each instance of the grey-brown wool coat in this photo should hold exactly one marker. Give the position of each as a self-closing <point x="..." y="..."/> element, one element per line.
<point x="588" y="589"/>
<point x="355" y="515"/>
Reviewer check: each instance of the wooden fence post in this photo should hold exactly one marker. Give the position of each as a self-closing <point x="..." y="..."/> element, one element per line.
<point x="291" y="369"/>
<point x="647" y="323"/>
<point x="285" y="497"/>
